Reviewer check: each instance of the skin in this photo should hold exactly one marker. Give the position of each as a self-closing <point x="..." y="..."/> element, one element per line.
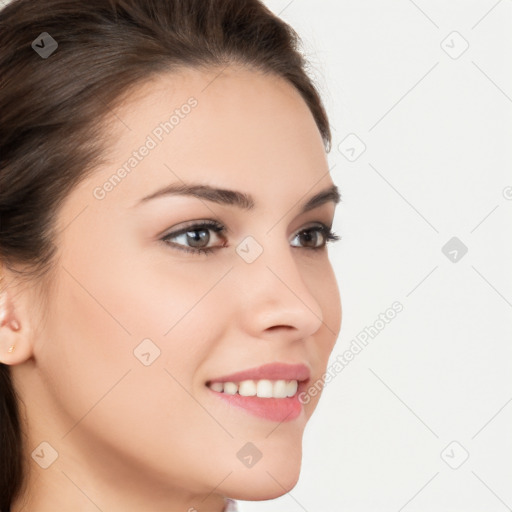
<point x="132" y="437"/>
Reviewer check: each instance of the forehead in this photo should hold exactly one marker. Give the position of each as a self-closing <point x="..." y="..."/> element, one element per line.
<point x="232" y="127"/>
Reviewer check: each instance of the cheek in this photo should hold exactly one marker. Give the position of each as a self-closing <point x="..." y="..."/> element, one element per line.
<point x="108" y="321"/>
<point x="95" y="371"/>
<point x="181" y="309"/>
<point x="324" y="287"/>
<point x="333" y="296"/>
<point x="87" y="347"/>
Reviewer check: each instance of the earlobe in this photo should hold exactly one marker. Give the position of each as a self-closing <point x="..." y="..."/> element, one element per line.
<point x="10" y="328"/>
<point x="14" y="348"/>
<point x="15" y="326"/>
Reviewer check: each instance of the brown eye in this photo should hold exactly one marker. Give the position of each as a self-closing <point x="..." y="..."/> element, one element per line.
<point x="198" y="237"/>
<point x="316" y="237"/>
<point x="195" y="238"/>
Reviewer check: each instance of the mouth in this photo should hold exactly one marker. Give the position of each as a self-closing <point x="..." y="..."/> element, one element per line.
<point x="263" y="388"/>
<point x="270" y="391"/>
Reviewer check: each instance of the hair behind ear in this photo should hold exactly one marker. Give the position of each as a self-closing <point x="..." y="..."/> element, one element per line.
<point x="10" y="442"/>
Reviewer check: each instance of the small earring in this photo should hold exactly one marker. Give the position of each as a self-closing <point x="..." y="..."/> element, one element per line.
<point x="11" y="349"/>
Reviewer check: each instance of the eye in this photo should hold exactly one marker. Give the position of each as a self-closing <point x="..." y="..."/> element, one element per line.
<point x="316" y="237"/>
<point x="196" y="235"/>
<point x="195" y="238"/>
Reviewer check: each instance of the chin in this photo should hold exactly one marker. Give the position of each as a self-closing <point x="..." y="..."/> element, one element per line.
<point x="267" y="481"/>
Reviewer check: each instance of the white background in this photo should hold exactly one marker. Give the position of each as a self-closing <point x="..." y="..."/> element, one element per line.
<point x="438" y="136"/>
<point x="437" y="132"/>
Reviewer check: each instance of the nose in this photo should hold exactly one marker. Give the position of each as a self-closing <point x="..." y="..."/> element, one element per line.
<point x="273" y="295"/>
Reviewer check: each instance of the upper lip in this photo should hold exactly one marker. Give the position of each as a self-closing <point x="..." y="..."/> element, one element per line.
<point x="270" y="371"/>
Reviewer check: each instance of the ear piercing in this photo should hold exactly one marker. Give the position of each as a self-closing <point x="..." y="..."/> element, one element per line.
<point x="15" y="326"/>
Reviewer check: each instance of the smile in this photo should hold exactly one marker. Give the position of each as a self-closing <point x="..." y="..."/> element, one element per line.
<point x="263" y="388"/>
<point x="269" y="391"/>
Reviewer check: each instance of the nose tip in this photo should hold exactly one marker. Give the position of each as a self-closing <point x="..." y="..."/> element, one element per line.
<point x="276" y="296"/>
<point x="305" y="306"/>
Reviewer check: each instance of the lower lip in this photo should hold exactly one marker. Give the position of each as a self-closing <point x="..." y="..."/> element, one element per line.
<point x="273" y="409"/>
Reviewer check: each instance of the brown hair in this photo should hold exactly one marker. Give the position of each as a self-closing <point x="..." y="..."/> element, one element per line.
<point x="52" y="108"/>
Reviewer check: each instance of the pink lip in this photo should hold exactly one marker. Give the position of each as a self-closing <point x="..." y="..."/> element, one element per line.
<point x="270" y="371"/>
<point x="273" y="409"/>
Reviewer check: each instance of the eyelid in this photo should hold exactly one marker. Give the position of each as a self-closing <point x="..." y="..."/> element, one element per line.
<point x="195" y="225"/>
<point x="214" y="225"/>
<point x="218" y="227"/>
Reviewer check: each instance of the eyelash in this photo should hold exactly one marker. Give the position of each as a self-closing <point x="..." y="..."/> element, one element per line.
<point x="329" y="235"/>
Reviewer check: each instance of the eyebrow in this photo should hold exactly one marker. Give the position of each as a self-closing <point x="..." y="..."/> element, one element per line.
<point x="235" y="198"/>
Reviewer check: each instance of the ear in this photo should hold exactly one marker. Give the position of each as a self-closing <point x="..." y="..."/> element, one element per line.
<point x="15" y="341"/>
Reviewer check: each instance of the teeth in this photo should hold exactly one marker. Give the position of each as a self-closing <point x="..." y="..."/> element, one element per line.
<point x="247" y="388"/>
<point x="217" y="386"/>
<point x="262" y="388"/>
<point x="265" y="389"/>
<point x="230" y="388"/>
<point x="291" y="388"/>
<point x="280" y="389"/>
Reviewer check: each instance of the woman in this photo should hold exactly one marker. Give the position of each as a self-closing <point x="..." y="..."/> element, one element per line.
<point x="167" y="298"/>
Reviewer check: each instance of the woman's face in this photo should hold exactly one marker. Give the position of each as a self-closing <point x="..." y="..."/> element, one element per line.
<point x="138" y="326"/>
